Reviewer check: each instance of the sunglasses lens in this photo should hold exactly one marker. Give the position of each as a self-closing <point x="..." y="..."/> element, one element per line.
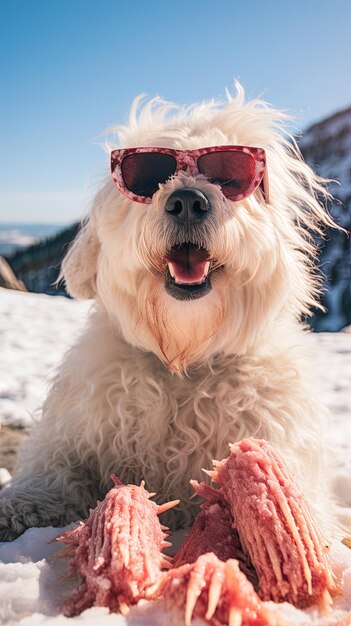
<point x="233" y="171"/>
<point x="143" y="171"/>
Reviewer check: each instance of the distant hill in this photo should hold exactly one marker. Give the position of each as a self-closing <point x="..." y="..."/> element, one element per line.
<point x="18" y="235"/>
<point x="326" y="146"/>
<point x="38" y="265"/>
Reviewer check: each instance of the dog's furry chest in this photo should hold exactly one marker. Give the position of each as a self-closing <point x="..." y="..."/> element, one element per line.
<point x="158" y="427"/>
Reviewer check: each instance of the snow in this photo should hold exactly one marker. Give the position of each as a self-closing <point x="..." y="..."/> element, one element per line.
<point x="35" y="331"/>
<point x="5" y="476"/>
<point x="33" y="582"/>
<point x="15" y="236"/>
<point x="332" y="362"/>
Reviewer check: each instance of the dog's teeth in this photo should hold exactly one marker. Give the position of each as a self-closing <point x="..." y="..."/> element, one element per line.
<point x="207" y="268"/>
<point x="171" y="270"/>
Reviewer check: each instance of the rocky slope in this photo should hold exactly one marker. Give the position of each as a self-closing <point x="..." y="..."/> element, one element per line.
<point x="326" y="146"/>
<point x="38" y="265"/>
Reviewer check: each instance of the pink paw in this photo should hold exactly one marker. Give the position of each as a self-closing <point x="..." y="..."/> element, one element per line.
<point x="214" y="590"/>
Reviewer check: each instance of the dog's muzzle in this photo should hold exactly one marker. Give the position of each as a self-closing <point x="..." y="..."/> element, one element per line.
<point x="187" y="264"/>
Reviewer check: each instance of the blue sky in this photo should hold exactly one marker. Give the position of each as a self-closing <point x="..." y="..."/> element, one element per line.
<point x="70" y="68"/>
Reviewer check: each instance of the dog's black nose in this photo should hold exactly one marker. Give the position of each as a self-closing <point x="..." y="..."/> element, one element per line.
<point x="187" y="206"/>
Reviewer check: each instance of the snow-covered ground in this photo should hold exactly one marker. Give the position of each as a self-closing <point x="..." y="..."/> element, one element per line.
<point x="35" y="331"/>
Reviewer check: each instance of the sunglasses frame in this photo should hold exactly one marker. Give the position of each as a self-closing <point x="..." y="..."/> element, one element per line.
<point x="187" y="160"/>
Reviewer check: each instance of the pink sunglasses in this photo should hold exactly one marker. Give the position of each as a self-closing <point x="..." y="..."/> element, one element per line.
<point x="238" y="170"/>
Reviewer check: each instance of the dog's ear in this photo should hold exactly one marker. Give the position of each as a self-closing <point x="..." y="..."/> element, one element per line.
<point x="79" y="266"/>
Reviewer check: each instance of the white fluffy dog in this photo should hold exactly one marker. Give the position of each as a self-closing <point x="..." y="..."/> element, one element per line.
<point x="176" y="361"/>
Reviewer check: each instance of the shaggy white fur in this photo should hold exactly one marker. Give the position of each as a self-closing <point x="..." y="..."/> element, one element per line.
<point x="157" y="387"/>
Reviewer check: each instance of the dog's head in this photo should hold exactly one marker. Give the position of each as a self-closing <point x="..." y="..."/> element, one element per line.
<point x="192" y="272"/>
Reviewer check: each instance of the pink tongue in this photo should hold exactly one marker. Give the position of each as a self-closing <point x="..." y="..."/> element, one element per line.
<point x="188" y="264"/>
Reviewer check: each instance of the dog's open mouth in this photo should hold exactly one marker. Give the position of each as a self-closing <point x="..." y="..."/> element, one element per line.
<point x="187" y="274"/>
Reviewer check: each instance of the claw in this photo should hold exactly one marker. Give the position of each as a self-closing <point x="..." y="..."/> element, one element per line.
<point x="191" y="599"/>
<point x="326" y="600"/>
<point x="234" y="617"/>
<point x="209" y="473"/>
<point x="193" y="495"/>
<point x="216" y="463"/>
<point x="214" y="592"/>
<point x="60" y="554"/>
<point x="124" y="608"/>
<point x="69" y="536"/>
<point x="196" y="583"/>
<point x="166" y="506"/>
